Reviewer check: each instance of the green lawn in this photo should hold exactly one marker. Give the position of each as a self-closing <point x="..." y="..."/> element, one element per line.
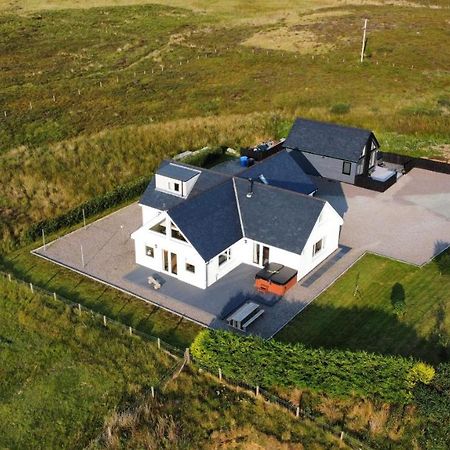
<point x="368" y="320"/>
<point x="61" y="374"/>
<point x="98" y="297"/>
<point x="64" y="378"/>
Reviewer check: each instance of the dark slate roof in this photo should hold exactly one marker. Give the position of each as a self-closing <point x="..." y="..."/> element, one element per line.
<point x="163" y="201"/>
<point x="210" y="221"/>
<point x="283" y="171"/>
<point x="327" y="139"/>
<point x="277" y="217"/>
<point x="177" y="172"/>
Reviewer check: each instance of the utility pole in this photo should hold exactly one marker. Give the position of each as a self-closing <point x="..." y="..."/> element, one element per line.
<point x="363" y="46"/>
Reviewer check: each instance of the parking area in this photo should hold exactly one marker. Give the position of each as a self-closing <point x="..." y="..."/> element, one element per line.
<point x="409" y="222"/>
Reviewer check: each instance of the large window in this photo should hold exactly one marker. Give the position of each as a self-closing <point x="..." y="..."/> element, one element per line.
<point x="346" y="167"/>
<point x="176" y="234"/>
<point x="317" y="247"/>
<point x="224" y="257"/>
<point x="149" y="251"/>
<point x="159" y="227"/>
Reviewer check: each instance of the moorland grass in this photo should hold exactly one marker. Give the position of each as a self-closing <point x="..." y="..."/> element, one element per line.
<point x="358" y="312"/>
<point x="114" y="107"/>
<point x="62" y="373"/>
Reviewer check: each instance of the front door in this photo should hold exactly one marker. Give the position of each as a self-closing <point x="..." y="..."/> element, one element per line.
<point x="260" y="257"/>
<point x="170" y="262"/>
<point x="266" y="251"/>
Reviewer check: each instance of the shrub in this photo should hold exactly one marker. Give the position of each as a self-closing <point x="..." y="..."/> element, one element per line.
<point x="422" y="373"/>
<point x="336" y="372"/>
<point x="398" y="299"/>
<point x="340" y="108"/>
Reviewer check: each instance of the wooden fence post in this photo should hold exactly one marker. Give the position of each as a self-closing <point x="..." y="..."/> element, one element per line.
<point x="31" y="288"/>
<point x="342" y="436"/>
<point x="159" y="343"/>
<point x="79" y="308"/>
<point x="297" y="411"/>
<point x="153" y="391"/>
<point x="9" y="276"/>
<point x="220" y="374"/>
<point x="131" y="330"/>
<point x="54" y="296"/>
<point x="257" y="391"/>
<point x="104" y="321"/>
<point x="187" y="356"/>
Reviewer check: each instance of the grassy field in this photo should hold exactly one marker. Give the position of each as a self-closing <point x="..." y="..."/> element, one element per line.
<point x="121" y="87"/>
<point x="397" y="309"/>
<point x="61" y="374"/>
<point x="66" y="380"/>
<point x="103" y="299"/>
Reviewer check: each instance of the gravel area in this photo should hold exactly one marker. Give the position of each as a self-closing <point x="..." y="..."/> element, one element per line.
<point x="409" y="222"/>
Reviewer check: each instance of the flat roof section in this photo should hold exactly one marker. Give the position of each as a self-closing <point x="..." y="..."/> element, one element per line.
<point x="177" y="172"/>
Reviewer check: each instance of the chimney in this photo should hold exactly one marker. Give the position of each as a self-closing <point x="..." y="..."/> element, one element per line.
<point x="250" y="188"/>
<point x="263" y="179"/>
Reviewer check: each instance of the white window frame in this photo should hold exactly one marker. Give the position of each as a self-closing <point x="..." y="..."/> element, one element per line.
<point x="227" y="254"/>
<point x="350" y="167"/>
<point x="322" y="246"/>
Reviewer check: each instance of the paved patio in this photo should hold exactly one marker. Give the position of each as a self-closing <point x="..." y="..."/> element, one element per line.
<point x="410" y="222"/>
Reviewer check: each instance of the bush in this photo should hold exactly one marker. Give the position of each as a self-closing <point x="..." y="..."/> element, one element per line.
<point x="422" y="373"/>
<point x="205" y="157"/>
<point x="335" y="372"/>
<point x="340" y="108"/>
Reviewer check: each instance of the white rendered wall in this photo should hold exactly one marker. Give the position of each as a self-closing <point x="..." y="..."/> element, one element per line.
<point x="206" y="274"/>
<point x="215" y="272"/>
<point x="159" y="242"/>
<point x="149" y="213"/>
<point x="328" y="228"/>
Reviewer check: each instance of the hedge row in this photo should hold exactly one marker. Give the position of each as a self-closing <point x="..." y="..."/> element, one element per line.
<point x="336" y="372"/>
<point x="94" y="206"/>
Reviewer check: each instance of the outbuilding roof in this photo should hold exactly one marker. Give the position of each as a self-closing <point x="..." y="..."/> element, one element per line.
<point x="328" y="139"/>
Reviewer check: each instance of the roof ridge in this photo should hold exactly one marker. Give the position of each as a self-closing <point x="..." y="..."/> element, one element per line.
<point x="339" y="125"/>
<point x="271" y="186"/>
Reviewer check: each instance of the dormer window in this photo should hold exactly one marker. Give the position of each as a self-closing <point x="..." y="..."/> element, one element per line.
<point x="176" y="179"/>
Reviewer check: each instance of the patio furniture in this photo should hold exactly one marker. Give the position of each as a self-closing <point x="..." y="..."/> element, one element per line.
<point x="154" y="283"/>
<point x="245" y="316"/>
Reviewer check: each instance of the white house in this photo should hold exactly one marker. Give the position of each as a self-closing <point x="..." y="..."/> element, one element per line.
<point x="198" y="225"/>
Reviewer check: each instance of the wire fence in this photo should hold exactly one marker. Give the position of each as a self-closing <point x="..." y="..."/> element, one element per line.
<point x="183" y="357"/>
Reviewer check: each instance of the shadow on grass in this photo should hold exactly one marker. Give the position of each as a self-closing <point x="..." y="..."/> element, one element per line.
<point x="360" y="329"/>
